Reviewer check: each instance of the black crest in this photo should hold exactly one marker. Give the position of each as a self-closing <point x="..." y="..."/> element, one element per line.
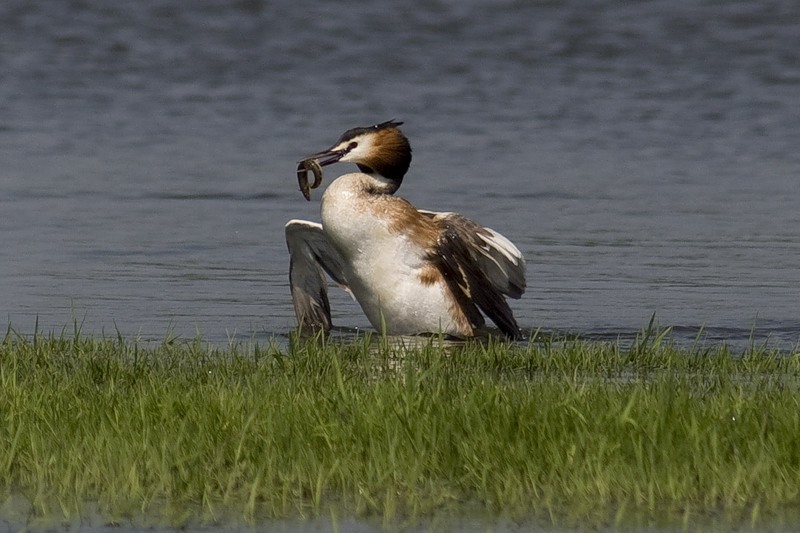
<point x="355" y="132"/>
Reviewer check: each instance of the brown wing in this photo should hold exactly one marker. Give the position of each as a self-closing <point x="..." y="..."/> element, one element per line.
<point x="481" y="268"/>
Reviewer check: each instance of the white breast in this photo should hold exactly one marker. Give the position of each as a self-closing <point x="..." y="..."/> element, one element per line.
<point x="383" y="265"/>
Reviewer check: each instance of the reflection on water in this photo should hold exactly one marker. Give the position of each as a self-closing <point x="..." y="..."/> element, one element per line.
<point x="643" y="156"/>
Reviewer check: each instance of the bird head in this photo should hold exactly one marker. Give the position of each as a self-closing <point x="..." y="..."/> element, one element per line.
<point x="380" y="149"/>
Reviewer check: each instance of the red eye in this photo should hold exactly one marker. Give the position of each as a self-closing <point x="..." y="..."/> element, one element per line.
<point x="351" y="146"/>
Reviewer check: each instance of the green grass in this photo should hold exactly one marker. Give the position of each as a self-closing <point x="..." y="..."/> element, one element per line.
<point x="560" y="432"/>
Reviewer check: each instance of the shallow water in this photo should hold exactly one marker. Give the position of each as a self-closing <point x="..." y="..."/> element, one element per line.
<point x="16" y="514"/>
<point x="643" y="156"/>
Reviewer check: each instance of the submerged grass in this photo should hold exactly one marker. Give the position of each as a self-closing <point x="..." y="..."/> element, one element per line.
<point x="563" y="432"/>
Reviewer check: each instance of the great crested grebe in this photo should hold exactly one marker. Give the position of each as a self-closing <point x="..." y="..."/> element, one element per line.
<point x="412" y="271"/>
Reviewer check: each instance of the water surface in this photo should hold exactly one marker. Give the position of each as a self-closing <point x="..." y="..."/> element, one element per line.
<point x="643" y="155"/>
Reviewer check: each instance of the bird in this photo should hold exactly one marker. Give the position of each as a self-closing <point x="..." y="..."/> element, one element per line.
<point x="412" y="271"/>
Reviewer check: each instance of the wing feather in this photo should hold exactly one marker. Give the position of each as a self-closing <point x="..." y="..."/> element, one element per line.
<point x="481" y="266"/>
<point x="311" y="256"/>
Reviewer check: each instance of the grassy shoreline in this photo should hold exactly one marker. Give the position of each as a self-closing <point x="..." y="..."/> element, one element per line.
<point x="559" y="432"/>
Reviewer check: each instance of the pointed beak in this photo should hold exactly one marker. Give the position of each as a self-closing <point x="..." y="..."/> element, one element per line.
<point x="326" y="157"/>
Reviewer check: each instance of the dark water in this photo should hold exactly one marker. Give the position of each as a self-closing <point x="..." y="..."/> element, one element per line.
<point x="643" y="155"/>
